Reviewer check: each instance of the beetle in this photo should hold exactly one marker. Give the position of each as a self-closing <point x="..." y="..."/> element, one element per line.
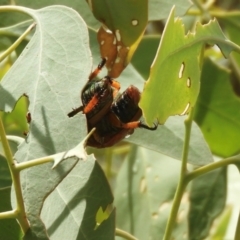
<point x="114" y="115"/>
<point x="120" y="121"/>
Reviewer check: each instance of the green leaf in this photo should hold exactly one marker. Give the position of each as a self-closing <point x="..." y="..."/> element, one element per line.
<point x="5" y="177"/>
<point x="231" y="25"/>
<point x="15" y="123"/>
<point x="158" y="9"/>
<point x="168" y="139"/>
<point x="217" y="110"/>
<point x="144" y="191"/>
<point x="126" y="19"/>
<point x="222" y="224"/>
<point x="207" y="196"/>
<point x="174" y="81"/>
<point x="9" y="228"/>
<point x="128" y="77"/>
<point x="147" y="48"/>
<point x="75" y="202"/>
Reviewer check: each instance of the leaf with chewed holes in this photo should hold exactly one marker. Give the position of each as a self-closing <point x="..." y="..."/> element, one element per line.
<point x="124" y="24"/>
<point x="122" y="17"/>
<point x="174" y="82"/>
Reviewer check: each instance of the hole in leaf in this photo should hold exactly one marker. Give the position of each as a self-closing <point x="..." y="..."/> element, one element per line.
<point x="185" y="110"/>
<point x="148" y="169"/>
<point x="143" y="186"/>
<point x="180" y="74"/>
<point x="189" y="82"/>
<point x="118" y="36"/>
<point x="181" y="216"/>
<point x="163" y="206"/>
<point x="155" y="215"/>
<point x="156" y="179"/>
<point x="103" y="215"/>
<point x="134" y="22"/>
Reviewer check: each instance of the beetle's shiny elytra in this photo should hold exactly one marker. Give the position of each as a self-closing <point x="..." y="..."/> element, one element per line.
<point x="97" y="97"/>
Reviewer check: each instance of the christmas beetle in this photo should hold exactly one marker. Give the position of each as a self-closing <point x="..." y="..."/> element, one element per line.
<point x="120" y="121"/>
<point x="114" y="115"/>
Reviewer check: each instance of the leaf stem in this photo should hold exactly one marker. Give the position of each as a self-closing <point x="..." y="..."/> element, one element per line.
<point x="32" y="163"/>
<point x="20" y="209"/>
<point x="199" y="5"/>
<point x="212" y="166"/>
<point x="8" y="214"/>
<point x="17" y="42"/>
<point x="9" y="8"/>
<point x="182" y="183"/>
<point x="123" y="234"/>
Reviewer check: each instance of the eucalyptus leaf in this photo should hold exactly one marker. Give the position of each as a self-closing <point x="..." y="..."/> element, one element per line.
<point x="51" y="71"/>
<point x="75" y="202"/>
<point x="5" y="176"/>
<point x="158" y="9"/>
<point x="144" y="191"/>
<point x="80" y="6"/>
<point x="174" y="81"/>
<point x="147" y="48"/>
<point x="217" y="110"/>
<point x="207" y="197"/>
<point x="122" y="17"/>
<point x="168" y="139"/>
<point x="9" y="228"/>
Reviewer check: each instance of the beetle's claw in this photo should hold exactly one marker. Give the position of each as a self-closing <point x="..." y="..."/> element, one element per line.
<point x="141" y="125"/>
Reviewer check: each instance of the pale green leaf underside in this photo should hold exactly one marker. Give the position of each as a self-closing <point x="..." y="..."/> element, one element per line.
<point x="207" y="197"/>
<point x="159" y="9"/>
<point x="75" y="202"/>
<point x="144" y="201"/>
<point x="51" y="70"/>
<point x="169" y="140"/>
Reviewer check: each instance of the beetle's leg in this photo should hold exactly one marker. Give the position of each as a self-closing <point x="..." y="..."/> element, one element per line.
<point x="98" y="69"/>
<point x="137" y="124"/>
<point x="130" y="125"/>
<point x="92" y="103"/>
<point x="115" y="85"/>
